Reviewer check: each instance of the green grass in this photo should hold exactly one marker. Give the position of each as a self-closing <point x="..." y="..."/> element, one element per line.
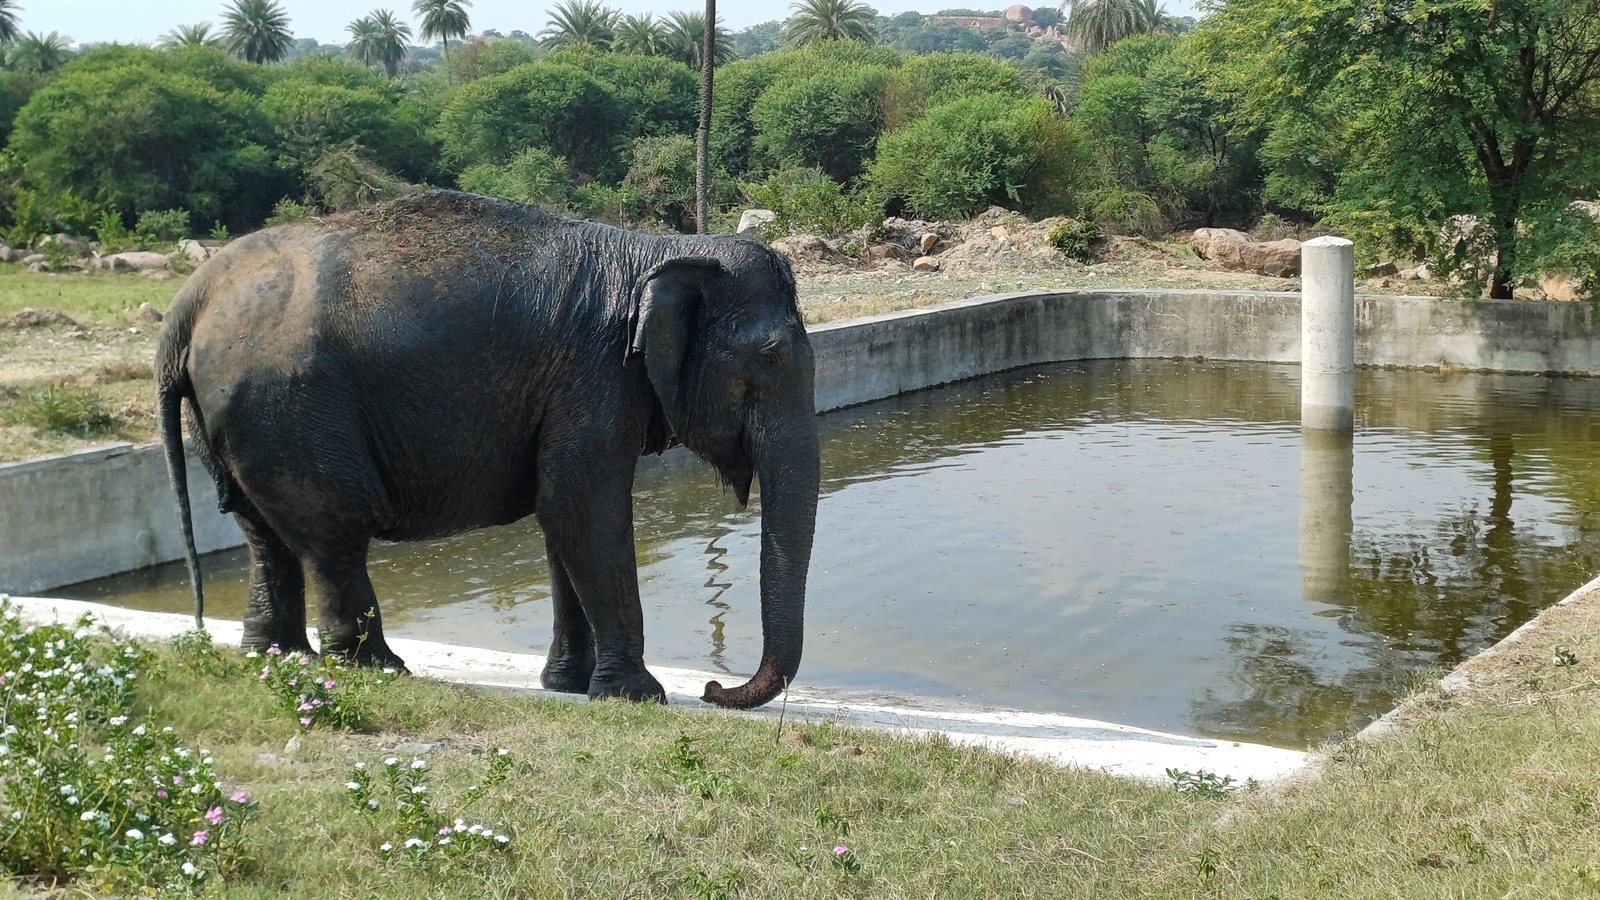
<point x="53" y="410"/>
<point x="1488" y="794"/>
<point x="84" y="296"/>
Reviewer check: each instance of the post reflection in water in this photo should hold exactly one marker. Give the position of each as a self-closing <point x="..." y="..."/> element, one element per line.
<point x="1327" y="493"/>
<point x="1151" y="542"/>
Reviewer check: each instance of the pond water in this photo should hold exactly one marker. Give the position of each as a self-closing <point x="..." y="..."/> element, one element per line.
<point x="1146" y="542"/>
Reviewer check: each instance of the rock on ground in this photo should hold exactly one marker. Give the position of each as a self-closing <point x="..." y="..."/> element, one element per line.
<point x="753" y="219"/>
<point x="1242" y="253"/>
<point x="135" y="261"/>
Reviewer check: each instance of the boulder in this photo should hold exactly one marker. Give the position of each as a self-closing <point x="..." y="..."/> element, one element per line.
<point x="10" y="254"/>
<point x="753" y="219"/>
<point x="1562" y="286"/>
<point x="196" y="251"/>
<point x="1019" y="14"/>
<point x="1279" y="259"/>
<point x="135" y="261"/>
<point x="76" y="248"/>
<point x="879" y="253"/>
<point x="149" y="313"/>
<point x="1380" y="270"/>
<point x="1236" y="250"/>
<point x="925" y="264"/>
<point x="41" y="318"/>
<point x="807" y="248"/>
<point x="927" y="241"/>
<point x="33" y="259"/>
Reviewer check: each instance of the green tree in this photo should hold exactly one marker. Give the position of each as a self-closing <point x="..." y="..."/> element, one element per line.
<point x="816" y="21"/>
<point x="482" y="57"/>
<point x="443" y="19"/>
<point x="936" y="78"/>
<point x="685" y="40"/>
<point x="976" y="152"/>
<point x="196" y="35"/>
<point x="829" y="120"/>
<point x="1097" y="24"/>
<point x="534" y="176"/>
<point x="8" y="21"/>
<point x="556" y="106"/>
<point x="661" y="180"/>
<point x="641" y="35"/>
<point x="1436" y="108"/>
<point x="379" y="39"/>
<point x="659" y="95"/>
<point x="34" y="52"/>
<point x="581" y="22"/>
<point x="256" y="31"/>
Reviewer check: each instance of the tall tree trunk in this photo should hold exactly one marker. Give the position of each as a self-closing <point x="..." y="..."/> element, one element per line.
<point x="702" y="149"/>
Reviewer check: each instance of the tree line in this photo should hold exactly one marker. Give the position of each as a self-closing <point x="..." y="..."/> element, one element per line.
<point x="1385" y="121"/>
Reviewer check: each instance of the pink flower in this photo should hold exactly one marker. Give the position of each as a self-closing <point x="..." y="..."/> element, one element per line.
<point x="328" y="684"/>
<point x="263" y="675"/>
<point x="305" y="707"/>
<point x="840" y="851"/>
<point x="305" y="720"/>
<point x="240" y="797"/>
<point x="214" y="815"/>
<point x="161" y="793"/>
<point x="293" y="682"/>
<point x="446" y="830"/>
<point x="274" y="651"/>
<point x="305" y="660"/>
<point x="199" y="838"/>
<point x="177" y="780"/>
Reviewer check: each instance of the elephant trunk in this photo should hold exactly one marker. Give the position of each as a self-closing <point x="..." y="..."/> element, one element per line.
<point x="788" y="464"/>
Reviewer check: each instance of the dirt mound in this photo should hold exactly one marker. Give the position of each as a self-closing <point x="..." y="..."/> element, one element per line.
<point x="38" y="318"/>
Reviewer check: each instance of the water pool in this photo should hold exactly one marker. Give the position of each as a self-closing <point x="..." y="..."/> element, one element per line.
<point x="1147" y="542"/>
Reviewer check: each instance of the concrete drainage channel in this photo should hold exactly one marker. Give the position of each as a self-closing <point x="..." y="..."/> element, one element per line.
<point x="85" y="515"/>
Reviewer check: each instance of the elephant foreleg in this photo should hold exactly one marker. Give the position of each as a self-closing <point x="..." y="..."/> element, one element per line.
<point x="349" y="624"/>
<point x="570" y="664"/>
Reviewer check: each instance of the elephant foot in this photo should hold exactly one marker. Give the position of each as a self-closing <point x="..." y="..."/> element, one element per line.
<point x="637" y="685"/>
<point x="258" y="639"/>
<point x="368" y="654"/>
<point x="569" y="675"/>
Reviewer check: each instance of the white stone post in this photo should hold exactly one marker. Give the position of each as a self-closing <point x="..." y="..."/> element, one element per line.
<point x="1328" y="334"/>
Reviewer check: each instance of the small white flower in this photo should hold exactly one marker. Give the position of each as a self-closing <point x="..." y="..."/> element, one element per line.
<point x="419" y="764"/>
<point x="139" y="730"/>
<point x="361" y="765"/>
<point x="88" y="816"/>
<point x="167" y="839"/>
<point x="135" y="834"/>
<point x="391" y="761"/>
<point x="353" y="785"/>
<point x="415" y="842"/>
<point x="372" y="804"/>
<point x="502" y="751"/>
<point x="502" y="839"/>
<point x="189" y="869"/>
<point x="386" y="847"/>
<point x="420" y="789"/>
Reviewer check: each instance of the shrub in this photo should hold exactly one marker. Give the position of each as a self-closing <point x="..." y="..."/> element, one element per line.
<point x="554" y="106"/>
<point x="316" y="690"/>
<point x="535" y="176"/>
<point x="343" y="179"/>
<point x="1128" y="212"/>
<point x="1567" y="242"/>
<point x="286" y="211"/>
<point x="805" y="201"/>
<point x="1075" y="238"/>
<point x="80" y="414"/>
<point x="828" y="120"/>
<point x="163" y="227"/>
<point x="922" y="82"/>
<point x="659" y="96"/>
<point x="114" y="237"/>
<point x="976" y="152"/>
<point x="661" y="181"/>
<point x="88" y="793"/>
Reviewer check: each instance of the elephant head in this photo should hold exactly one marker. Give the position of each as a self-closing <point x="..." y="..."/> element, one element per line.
<point x="727" y="356"/>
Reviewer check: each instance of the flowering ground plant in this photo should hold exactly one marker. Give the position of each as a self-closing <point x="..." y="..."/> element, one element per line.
<point x="86" y="791"/>
<point x="317" y="690"/>
<point x="403" y="800"/>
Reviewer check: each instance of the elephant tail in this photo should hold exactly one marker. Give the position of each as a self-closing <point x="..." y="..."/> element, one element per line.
<point x="172" y="387"/>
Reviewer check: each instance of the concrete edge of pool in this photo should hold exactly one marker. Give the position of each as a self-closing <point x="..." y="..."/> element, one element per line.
<point x="1117" y="749"/>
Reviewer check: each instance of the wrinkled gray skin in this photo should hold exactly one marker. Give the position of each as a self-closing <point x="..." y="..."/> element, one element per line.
<point x="446" y="362"/>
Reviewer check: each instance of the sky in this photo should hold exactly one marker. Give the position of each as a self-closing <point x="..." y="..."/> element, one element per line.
<point x="135" y="21"/>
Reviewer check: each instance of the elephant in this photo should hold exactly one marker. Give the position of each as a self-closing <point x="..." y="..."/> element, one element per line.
<point x="444" y="362"/>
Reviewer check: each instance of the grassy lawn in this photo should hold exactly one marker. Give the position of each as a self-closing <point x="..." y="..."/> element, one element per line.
<point x="87" y="297"/>
<point x="1491" y="792"/>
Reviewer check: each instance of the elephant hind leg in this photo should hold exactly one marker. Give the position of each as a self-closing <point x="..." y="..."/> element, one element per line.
<point x="275" y="613"/>
<point x="570" y="665"/>
<point x="349" y="624"/>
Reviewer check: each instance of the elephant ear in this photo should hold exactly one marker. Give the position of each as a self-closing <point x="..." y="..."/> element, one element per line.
<point x="664" y="324"/>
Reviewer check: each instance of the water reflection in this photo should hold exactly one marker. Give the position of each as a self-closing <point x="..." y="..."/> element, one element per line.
<point x="1142" y="541"/>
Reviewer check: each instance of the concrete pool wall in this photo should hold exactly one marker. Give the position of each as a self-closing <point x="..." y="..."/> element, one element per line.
<point x="98" y="512"/>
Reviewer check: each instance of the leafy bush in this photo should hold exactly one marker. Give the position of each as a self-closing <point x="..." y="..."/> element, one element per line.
<point x="342" y="179"/>
<point x="827" y="120"/>
<point x="86" y="792"/>
<point x="558" y="107"/>
<point x="80" y="414"/>
<point x="1075" y="238"/>
<point x="805" y="201"/>
<point x="1567" y="242"/>
<point x="1128" y="212"/>
<point x="164" y="227"/>
<point x="976" y="152"/>
<point x="659" y="96"/>
<point x="286" y="211"/>
<point x="114" y="237"/>
<point x="926" y="81"/>
<point x="661" y="181"/>
<point x="535" y="176"/>
<point x="34" y="213"/>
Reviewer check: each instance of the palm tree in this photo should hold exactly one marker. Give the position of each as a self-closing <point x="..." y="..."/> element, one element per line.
<point x="815" y="21"/>
<point x="1097" y="24"/>
<point x="640" y="35"/>
<point x="685" y="40"/>
<point x="34" y="52"/>
<point x="702" y="136"/>
<point x="581" y="22"/>
<point x="443" y="19"/>
<point x="197" y="35"/>
<point x="379" y="39"/>
<point x="8" y="21"/>
<point x="256" y="30"/>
